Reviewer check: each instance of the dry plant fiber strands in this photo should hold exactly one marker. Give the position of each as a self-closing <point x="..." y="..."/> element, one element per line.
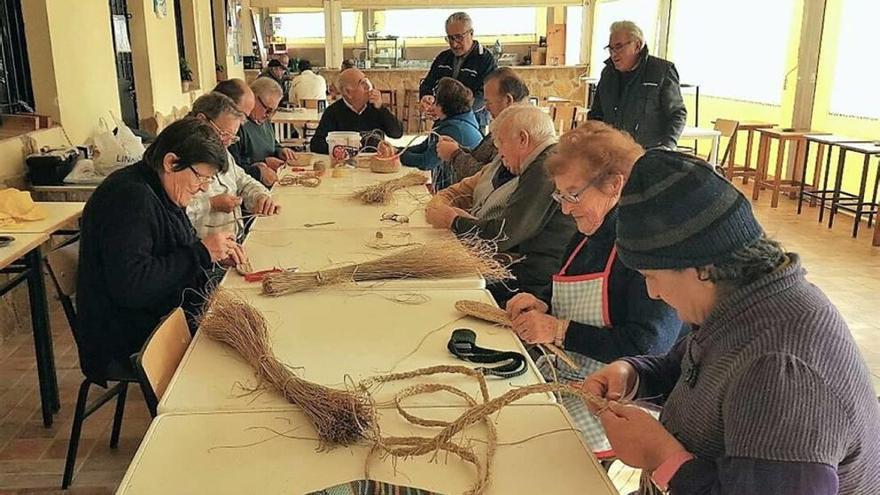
<point x="445" y="258"/>
<point x="404" y="447"/>
<point x="382" y="192"/>
<point x="490" y="313"/>
<point x="340" y="417"/>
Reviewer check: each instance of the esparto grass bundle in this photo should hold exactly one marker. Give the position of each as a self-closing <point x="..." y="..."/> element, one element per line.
<point x="382" y="192"/>
<point x="447" y="258"/>
<point x="340" y="417"/>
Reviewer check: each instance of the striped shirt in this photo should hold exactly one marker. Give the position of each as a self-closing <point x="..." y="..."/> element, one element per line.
<point x="774" y="375"/>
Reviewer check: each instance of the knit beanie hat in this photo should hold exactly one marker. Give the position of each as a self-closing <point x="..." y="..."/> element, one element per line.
<point x="676" y="212"/>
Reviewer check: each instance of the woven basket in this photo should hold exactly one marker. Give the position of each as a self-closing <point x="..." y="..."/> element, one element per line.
<point x="364" y="159"/>
<point x="385" y="166"/>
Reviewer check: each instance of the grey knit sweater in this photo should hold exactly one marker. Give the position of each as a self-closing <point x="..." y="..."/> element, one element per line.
<point x="773" y="374"/>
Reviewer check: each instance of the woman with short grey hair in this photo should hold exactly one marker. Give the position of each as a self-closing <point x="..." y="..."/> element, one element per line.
<point x="768" y="394"/>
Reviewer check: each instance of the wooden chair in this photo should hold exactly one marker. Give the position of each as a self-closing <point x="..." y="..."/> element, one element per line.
<point x="156" y="363"/>
<point x="728" y="129"/>
<point x="311" y="103"/>
<point x="389" y="99"/>
<point x="62" y="264"/>
<point x="563" y="117"/>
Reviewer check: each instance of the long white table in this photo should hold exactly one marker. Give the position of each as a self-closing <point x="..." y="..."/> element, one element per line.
<point x="334" y="334"/>
<point x="345" y="211"/>
<point x="311" y="250"/>
<point x="235" y="452"/>
<point x="697" y="133"/>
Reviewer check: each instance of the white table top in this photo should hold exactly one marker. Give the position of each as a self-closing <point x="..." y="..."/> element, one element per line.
<point x="699" y="133"/>
<point x="66" y="188"/>
<point x="58" y="215"/>
<point x="311" y="250"/>
<point x="835" y="139"/>
<point x="296" y="115"/>
<point x="333" y="334"/>
<point x="345" y="210"/>
<point x="218" y="453"/>
<point x="871" y="148"/>
<point x="22" y="245"/>
<point x="354" y="179"/>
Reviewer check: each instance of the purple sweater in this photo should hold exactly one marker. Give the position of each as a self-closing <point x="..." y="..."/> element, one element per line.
<point x="771" y="395"/>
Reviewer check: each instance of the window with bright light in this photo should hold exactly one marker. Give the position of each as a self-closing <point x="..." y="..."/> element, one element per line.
<point x="718" y="56"/>
<point x="854" y="92"/>
<point x="309" y="26"/>
<point x="431" y="23"/>
<point x="641" y="12"/>
<point x="574" y="17"/>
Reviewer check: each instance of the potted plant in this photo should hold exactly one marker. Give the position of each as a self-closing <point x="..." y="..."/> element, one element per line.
<point x="186" y="75"/>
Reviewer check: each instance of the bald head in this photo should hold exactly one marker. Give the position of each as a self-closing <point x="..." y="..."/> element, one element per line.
<point x="240" y="93"/>
<point x="354" y="87"/>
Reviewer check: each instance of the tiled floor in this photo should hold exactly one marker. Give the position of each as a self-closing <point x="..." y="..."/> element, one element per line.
<point x="32" y="457"/>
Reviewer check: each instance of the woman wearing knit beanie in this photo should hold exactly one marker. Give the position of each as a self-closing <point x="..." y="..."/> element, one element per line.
<point x="597" y="308"/>
<point x="769" y="394"/>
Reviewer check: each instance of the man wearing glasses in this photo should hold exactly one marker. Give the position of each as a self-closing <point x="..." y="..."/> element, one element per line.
<point x="257" y="151"/>
<point x="639" y="93"/>
<point x="465" y="60"/>
<point x="218" y="207"/>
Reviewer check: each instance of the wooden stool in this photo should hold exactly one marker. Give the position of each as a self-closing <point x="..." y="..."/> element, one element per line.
<point x="411" y="114"/>
<point x="745" y="170"/>
<point x="855" y="203"/>
<point x="812" y="190"/>
<point x="389" y="99"/>
<point x="796" y="141"/>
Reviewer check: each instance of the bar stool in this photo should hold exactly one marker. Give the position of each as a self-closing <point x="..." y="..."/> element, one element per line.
<point x="795" y="139"/>
<point x="813" y="191"/>
<point x="856" y="204"/>
<point x="389" y="99"/>
<point x="745" y="170"/>
<point x="411" y="112"/>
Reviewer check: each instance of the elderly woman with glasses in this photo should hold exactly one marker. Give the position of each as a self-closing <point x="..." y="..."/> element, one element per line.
<point x="257" y="150"/>
<point x="597" y="309"/>
<point x="139" y="254"/>
<point x="219" y="207"/>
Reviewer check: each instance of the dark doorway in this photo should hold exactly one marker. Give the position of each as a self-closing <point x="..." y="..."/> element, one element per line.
<point x="119" y="22"/>
<point x="16" y="92"/>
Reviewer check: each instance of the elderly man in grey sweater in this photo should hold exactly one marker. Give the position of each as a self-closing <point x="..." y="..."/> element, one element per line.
<point x="769" y="394"/>
<point x="509" y="200"/>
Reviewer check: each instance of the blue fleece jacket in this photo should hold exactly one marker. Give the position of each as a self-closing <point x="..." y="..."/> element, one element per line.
<point x="463" y="128"/>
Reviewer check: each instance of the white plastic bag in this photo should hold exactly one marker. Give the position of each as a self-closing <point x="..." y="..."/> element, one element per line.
<point x="116" y="151"/>
<point x="84" y="172"/>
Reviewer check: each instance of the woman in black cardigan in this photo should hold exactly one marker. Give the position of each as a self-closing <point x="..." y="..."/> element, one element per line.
<point x="139" y="252"/>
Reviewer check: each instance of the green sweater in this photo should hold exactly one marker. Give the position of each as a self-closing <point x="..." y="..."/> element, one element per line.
<point x="256" y="142"/>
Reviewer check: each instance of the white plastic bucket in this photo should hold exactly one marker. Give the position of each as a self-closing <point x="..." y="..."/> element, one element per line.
<point x="343" y="145"/>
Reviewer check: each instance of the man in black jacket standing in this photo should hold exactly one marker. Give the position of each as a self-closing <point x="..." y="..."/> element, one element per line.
<point x="465" y="60"/>
<point x="639" y="93"/>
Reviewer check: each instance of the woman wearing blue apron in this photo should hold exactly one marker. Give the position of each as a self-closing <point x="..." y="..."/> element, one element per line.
<point x="598" y="310"/>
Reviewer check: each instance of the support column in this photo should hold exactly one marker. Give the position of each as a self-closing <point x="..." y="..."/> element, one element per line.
<point x="333" y="33"/>
<point x="586" y="31"/>
<point x="809" y="50"/>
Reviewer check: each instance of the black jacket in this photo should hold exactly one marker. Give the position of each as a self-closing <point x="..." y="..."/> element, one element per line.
<point x="339" y="117"/>
<point x="475" y="67"/>
<point x="532" y="228"/>
<point x="138" y="254"/>
<point x="649" y="106"/>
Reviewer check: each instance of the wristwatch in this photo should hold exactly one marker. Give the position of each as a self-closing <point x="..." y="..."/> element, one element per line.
<point x="665" y="472"/>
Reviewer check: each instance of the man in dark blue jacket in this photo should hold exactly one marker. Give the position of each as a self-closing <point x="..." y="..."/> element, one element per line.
<point x="465" y="60"/>
<point x="639" y="93"/>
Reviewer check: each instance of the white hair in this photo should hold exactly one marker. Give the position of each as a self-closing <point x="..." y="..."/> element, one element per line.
<point x="630" y="28"/>
<point x="531" y="119"/>
<point x="265" y="86"/>
<point x="460" y="17"/>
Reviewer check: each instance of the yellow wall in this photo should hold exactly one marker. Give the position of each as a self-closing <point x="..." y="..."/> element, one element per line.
<point x="70" y="50"/>
<point x="13" y="152"/>
<point x="232" y="70"/>
<point x="848" y="126"/>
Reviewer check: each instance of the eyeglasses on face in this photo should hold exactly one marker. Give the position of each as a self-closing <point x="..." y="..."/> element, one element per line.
<point x="203" y="179"/>
<point x="269" y="110"/>
<point x="618" y="47"/>
<point x="224" y="135"/>
<point x="573" y="198"/>
<point x="458" y="38"/>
